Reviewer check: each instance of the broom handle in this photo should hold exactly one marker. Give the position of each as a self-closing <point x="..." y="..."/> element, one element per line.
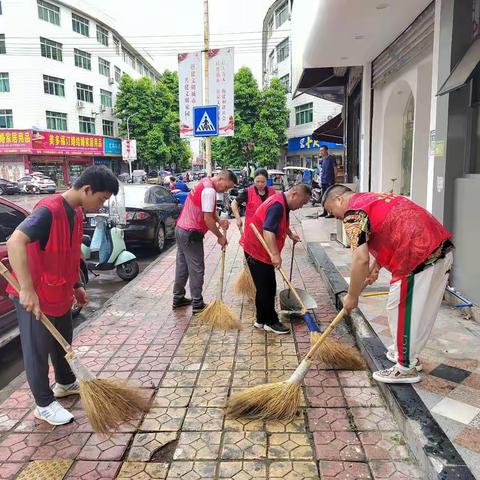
<point x="311" y="353"/>
<point x="222" y="268"/>
<point x="284" y="275"/>
<point x="48" y="324"/>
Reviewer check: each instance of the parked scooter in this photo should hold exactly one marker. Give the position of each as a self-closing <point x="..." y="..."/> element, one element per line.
<point x="106" y="250"/>
<point x="316" y="193"/>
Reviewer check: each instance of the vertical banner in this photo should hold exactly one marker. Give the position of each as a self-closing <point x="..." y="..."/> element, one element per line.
<point x="189" y="89"/>
<point x="220" y="88"/>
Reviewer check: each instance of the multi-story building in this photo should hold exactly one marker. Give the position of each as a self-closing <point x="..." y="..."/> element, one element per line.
<point x="60" y="69"/>
<point x="307" y="112"/>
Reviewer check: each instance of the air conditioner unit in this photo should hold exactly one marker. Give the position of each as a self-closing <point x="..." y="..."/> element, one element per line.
<point x="111" y="81"/>
<point x="80" y="104"/>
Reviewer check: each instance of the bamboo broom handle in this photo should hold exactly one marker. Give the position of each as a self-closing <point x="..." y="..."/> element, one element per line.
<point x="48" y="324"/>
<point x="222" y="268"/>
<point x="284" y="275"/>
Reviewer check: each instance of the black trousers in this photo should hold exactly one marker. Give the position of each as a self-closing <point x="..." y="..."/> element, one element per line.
<point x="37" y="344"/>
<point x="263" y="276"/>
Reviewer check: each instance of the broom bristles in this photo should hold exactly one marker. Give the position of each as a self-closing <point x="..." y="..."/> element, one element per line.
<point x="219" y="316"/>
<point x="108" y="403"/>
<point x="336" y="355"/>
<point x="244" y="284"/>
<point x="273" y="401"/>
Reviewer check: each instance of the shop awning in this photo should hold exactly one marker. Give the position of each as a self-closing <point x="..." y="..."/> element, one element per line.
<point x="326" y="82"/>
<point x="331" y="131"/>
<point x="462" y="71"/>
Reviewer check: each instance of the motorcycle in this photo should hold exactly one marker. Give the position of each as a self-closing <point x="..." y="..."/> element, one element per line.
<point x="316" y="193"/>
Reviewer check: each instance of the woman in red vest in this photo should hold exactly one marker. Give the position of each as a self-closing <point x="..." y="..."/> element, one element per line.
<point x="253" y="197"/>
<point x="409" y="242"/>
<point x="44" y="252"/>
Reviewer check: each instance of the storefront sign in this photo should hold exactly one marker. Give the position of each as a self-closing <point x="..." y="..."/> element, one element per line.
<point x="15" y="141"/>
<point x="308" y="143"/>
<point x="67" y="143"/>
<point x="112" y="146"/>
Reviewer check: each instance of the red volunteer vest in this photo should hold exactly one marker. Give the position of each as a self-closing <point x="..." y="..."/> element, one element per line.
<point x="254" y="200"/>
<point x="402" y="234"/>
<point x="55" y="270"/>
<point x="191" y="216"/>
<point x="249" y="241"/>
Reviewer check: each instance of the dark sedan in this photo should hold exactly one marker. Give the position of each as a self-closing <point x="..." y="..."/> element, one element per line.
<point x="8" y="188"/>
<point x="152" y="213"/>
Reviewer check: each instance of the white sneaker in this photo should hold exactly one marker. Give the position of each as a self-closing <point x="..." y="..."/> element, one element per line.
<point x="258" y="325"/>
<point x="395" y="375"/>
<point x="60" y="390"/>
<point x="392" y="356"/>
<point x="54" y="414"/>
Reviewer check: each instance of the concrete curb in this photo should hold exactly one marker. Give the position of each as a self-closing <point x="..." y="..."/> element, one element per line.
<point x="428" y="442"/>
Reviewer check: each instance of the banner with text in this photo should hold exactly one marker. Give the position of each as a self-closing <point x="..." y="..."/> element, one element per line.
<point x="189" y="89"/>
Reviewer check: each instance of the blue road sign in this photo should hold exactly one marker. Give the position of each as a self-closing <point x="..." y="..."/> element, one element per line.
<point x="205" y="121"/>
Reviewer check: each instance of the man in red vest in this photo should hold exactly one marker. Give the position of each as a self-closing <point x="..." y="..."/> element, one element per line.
<point x="272" y="221"/>
<point x="409" y="242"/>
<point x="198" y="216"/>
<point x="44" y="252"/>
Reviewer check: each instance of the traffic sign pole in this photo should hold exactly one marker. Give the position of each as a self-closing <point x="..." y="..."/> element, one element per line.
<point x="208" y="140"/>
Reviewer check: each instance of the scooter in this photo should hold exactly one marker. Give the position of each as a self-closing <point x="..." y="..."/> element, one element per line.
<point x="316" y="193"/>
<point x="106" y="250"/>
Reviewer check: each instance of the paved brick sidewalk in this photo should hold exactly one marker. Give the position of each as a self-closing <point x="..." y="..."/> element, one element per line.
<point x="343" y="430"/>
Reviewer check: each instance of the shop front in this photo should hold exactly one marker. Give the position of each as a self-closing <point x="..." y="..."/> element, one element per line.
<point x="305" y="151"/>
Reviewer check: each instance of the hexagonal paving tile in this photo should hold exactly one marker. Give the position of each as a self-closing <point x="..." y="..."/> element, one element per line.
<point x="357" y="378"/>
<point x="373" y="418"/>
<point x="384" y="445"/>
<point x="18" y="399"/>
<point x="279" y="362"/>
<point x="247" y="378"/>
<point x="343" y="470"/>
<point x="293" y="471"/>
<point x="143" y="471"/>
<point x="124" y="364"/>
<point x="181" y="364"/>
<point x="85" y="470"/>
<point x="244" y="446"/>
<point x="243" y="471"/>
<point x="51" y="469"/>
<point x="250" y="362"/>
<point x="9" y="471"/>
<point x="209" y="397"/>
<point x="179" y="379"/>
<point x="146" y="444"/>
<point x="363" y="397"/>
<point x="226" y="349"/>
<point x="149" y="379"/>
<point x="251" y="349"/>
<point x="321" y="378"/>
<point x="191" y="471"/>
<point x="289" y="446"/>
<point x="297" y="425"/>
<point x="19" y="447"/>
<point x="219" y="378"/>
<point x="328" y="420"/>
<point x="102" y="447"/>
<point x="160" y="419"/>
<point x="153" y="363"/>
<point x="173" y="397"/>
<point x="9" y="418"/>
<point x="218" y="362"/>
<point x="325" y="397"/>
<point x="285" y="349"/>
<point x="61" y="444"/>
<point x="343" y="446"/>
<point x="199" y="419"/>
<point x="198" y="446"/>
<point x="243" y="424"/>
<point x="396" y="471"/>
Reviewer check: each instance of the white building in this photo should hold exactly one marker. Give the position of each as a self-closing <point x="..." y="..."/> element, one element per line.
<point x="60" y="68"/>
<point x="307" y="112"/>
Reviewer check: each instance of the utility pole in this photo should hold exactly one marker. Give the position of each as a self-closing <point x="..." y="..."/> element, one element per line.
<point x="208" y="140"/>
<point x="128" y="138"/>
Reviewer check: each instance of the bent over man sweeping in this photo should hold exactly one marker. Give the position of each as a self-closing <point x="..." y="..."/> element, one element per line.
<point x="408" y="241"/>
<point x="44" y="252"/>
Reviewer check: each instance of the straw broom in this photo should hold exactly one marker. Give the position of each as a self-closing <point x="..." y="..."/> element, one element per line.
<point x="278" y="401"/>
<point x="244" y="284"/>
<point x="108" y="403"/>
<point x="217" y="313"/>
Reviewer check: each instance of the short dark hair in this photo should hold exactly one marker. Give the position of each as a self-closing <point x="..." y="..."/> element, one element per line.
<point x="228" y="175"/>
<point x="99" y="179"/>
<point x="335" y="189"/>
<point x="260" y="171"/>
<point x="303" y="188"/>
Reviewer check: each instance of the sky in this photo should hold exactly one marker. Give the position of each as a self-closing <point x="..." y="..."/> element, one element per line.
<point x="167" y="27"/>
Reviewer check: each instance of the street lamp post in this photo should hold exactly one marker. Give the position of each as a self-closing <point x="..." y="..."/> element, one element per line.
<point x="128" y="138"/>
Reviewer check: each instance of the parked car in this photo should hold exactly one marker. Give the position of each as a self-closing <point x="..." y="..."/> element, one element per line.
<point x="154" y="178"/>
<point x="11" y="216"/>
<point x="7" y="187"/>
<point x="152" y="213"/>
<point x="37" y="183"/>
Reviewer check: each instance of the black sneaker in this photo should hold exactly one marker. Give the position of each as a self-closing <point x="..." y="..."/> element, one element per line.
<point x="181" y="303"/>
<point x="278" y="328"/>
<point x="330" y="216"/>
<point x="198" y="308"/>
<point x="324" y="214"/>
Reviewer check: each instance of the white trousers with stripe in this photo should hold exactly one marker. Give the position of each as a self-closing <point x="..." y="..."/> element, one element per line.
<point x="412" y="307"/>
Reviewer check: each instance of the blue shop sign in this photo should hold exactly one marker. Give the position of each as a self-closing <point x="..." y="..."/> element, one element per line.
<point x="112" y="146"/>
<point x="308" y="143"/>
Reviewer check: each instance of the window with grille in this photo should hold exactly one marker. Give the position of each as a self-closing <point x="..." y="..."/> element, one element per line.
<point x="3" y="48"/>
<point x="80" y="25"/>
<point x="304" y="113"/>
<point x="103" y="67"/>
<point x="116" y="44"/>
<point x="82" y="59"/>
<point x="51" y="49"/>
<point x="54" y="86"/>
<point x="270" y="28"/>
<point x="86" y="124"/>
<point x="48" y="12"/>
<point x="283" y="51"/>
<point x="105" y="98"/>
<point x="56" y="121"/>
<point x="128" y="58"/>
<point x="102" y="35"/>
<point x="84" y="93"/>
<point x="4" y="82"/>
<point x="0" y="7"/>
<point x="286" y="82"/>
<point x="281" y="14"/>
<point x="118" y="74"/>
<point x="107" y="128"/>
<point x="6" y="119"/>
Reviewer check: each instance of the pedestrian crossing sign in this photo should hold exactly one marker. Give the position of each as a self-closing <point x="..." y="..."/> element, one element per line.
<point x="205" y="120"/>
